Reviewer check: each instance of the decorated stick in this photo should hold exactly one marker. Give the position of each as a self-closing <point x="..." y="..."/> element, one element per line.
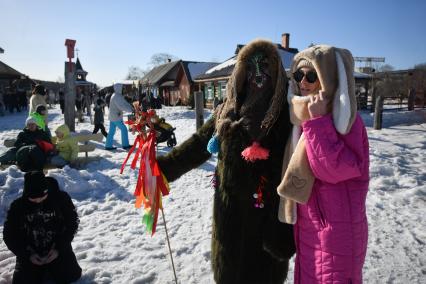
<point x="151" y="183"/>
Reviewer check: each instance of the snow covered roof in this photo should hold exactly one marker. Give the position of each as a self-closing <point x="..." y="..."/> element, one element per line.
<point x="126" y="82"/>
<point x="168" y="72"/>
<point x="224" y="69"/>
<point x="230" y="62"/>
<point x="360" y="75"/>
<point x="194" y="68"/>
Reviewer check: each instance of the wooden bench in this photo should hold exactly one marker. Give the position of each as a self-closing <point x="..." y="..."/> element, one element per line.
<point x="84" y="147"/>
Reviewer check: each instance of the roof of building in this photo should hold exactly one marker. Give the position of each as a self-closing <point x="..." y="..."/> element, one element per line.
<point x="7" y="72"/>
<point x="224" y="69"/>
<point x="194" y="68"/>
<point x="163" y="74"/>
<point x="79" y="68"/>
<point x="159" y="73"/>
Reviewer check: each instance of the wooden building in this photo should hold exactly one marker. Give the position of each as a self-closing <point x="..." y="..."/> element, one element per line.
<point x="173" y="82"/>
<point x="8" y="75"/>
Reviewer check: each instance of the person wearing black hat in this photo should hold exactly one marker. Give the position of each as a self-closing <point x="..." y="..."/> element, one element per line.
<point x="39" y="228"/>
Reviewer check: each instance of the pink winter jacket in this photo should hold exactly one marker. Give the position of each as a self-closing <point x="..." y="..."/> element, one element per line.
<point x="331" y="230"/>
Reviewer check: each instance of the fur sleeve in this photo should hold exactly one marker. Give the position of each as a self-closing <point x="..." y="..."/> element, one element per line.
<point x="189" y="155"/>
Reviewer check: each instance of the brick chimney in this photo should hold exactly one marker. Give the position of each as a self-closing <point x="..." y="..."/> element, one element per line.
<point x="285" y="40"/>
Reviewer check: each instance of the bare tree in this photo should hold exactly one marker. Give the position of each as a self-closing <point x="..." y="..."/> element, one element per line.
<point x="421" y="66"/>
<point x="161" y="58"/>
<point x="135" y="73"/>
<point x="386" y="68"/>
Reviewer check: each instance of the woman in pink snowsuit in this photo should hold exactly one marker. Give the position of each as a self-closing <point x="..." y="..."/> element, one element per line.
<point x="326" y="169"/>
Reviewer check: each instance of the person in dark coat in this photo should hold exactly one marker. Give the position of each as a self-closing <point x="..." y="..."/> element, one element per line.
<point x="99" y="117"/>
<point x="249" y="243"/>
<point x="39" y="229"/>
<point x="28" y="136"/>
<point x="143" y="102"/>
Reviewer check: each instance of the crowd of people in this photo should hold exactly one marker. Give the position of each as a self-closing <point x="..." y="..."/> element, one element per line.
<point x="61" y="149"/>
<point x="12" y="99"/>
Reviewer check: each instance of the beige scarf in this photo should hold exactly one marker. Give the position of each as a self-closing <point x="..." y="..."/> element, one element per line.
<point x="296" y="186"/>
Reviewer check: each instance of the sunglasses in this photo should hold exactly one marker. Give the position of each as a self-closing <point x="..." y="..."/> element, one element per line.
<point x="311" y="76"/>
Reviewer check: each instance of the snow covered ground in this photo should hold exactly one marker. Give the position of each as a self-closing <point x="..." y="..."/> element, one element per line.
<point x="112" y="247"/>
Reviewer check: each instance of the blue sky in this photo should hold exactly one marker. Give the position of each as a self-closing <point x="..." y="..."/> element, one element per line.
<point x="113" y="35"/>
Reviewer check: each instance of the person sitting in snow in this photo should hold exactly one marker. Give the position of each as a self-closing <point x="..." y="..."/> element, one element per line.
<point x="117" y="106"/>
<point x="40" y="116"/>
<point x="39" y="228"/>
<point x="326" y="169"/>
<point x="249" y="243"/>
<point x="28" y="137"/>
<point x="66" y="147"/>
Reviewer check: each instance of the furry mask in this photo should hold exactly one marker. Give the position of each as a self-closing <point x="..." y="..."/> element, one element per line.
<point x="255" y="92"/>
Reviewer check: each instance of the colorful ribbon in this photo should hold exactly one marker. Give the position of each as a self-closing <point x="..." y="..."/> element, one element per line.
<point x="151" y="183"/>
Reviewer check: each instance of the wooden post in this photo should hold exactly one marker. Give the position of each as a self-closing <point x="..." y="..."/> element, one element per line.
<point x="365" y="95"/>
<point x="69" y="111"/>
<point x="378" y="113"/>
<point x="199" y="109"/>
<point x="411" y="98"/>
<point x="373" y="98"/>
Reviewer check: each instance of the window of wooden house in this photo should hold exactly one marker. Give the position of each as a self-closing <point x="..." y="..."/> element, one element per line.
<point x="210" y="92"/>
<point x="222" y="90"/>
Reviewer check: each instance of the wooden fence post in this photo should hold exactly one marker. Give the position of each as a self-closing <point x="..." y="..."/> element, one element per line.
<point x="373" y="98"/>
<point x="69" y="112"/>
<point x="378" y="113"/>
<point x="411" y="98"/>
<point x="199" y="108"/>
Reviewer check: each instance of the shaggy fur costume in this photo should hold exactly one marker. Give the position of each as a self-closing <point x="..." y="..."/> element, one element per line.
<point x="249" y="244"/>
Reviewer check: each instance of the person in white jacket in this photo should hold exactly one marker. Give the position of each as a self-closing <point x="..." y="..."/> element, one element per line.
<point x="117" y="106"/>
<point x="37" y="98"/>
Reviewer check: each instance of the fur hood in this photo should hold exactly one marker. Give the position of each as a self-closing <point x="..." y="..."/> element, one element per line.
<point x="334" y="67"/>
<point x="228" y="112"/>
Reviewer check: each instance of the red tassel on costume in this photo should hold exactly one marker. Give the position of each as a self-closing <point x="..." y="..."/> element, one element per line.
<point x="255" y="152"/>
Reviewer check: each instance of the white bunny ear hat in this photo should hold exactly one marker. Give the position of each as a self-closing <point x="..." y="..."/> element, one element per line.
<point x="334" y="67"/>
